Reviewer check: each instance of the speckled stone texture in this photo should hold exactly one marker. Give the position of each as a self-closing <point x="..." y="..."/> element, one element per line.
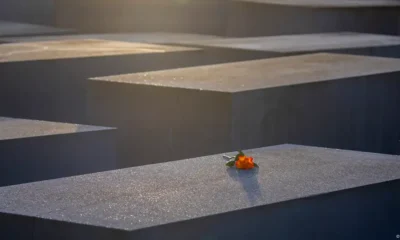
<point x="297" y="192"/>
<point x="36" y="150"/>
<point x="329" y="100"/>
<point x="275" y="17"/>
<point x="47" y="80"/>
<point x="14" y="29"/>
<point x="340" y="42"/>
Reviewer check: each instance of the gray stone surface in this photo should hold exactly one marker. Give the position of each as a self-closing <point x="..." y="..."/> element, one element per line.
<point x="12" y="128"/>
<point x="147" y="37"/>
<point x="329" y="100"/>
<point x="81" y="48"/>
<point x="372" y="44"/>
<point x="13" y="29"/>
<point x="51" y="75"/>
<point x="265" y="73"/>
<point x="273" y="17"/>
<point x="296" y="188"/>
<point x="36" y="150"/>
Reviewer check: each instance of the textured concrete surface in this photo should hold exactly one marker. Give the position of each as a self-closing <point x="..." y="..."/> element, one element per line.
<point x="13" y="29"/>
<point x="268" y="18"/>
<point x="203" y="198"/>
<point x="150" y="37"/>
<point x="81" y="48"/>
<point x="36" y="150"/>
<point x="329" y="100"/>
<point x="265" y="73"/>
<point x="12" y="128"/>
<point x="51" y="76"/>
<point x="305" y="42"/>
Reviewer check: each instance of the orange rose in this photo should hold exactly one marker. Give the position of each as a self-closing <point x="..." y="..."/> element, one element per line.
<point x="244" y="162"/>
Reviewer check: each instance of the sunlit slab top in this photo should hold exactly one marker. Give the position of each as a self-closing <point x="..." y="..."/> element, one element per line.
<point x="14" y="128"/>
<point x="151" y="37"/>
<point x="48" y="50"/>
<point x="329" y="3"/>
<point x="301" y="42"/>
<point x="135" y="198"/>
<point x="265" y="73"/>
<point x="20" y="29"/>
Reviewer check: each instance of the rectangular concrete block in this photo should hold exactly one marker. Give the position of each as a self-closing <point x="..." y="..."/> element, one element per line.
<point x="297" y="192"/>
<point x="47" y="80"/>
<point x="275" y="17"/>
<point x="35" y="150"/>
<point x="340" y="42"/>
<point x="15" y="29"/>
<point x="329" y="100"/>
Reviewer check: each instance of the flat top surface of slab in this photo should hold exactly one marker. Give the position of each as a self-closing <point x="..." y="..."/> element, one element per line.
<point x="302" y="42"/>
<point x="155" y="37"/>
<point x="146" y="196"/>
<point x="12" y="52"/>
<point x="330" y="3"/>
<point x="14" y="128"/>
<point x="265" y="73"/>
<point x="18" y="29"/>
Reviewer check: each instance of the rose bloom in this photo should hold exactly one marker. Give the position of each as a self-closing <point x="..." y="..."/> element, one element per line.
<point x="244" y="162"/>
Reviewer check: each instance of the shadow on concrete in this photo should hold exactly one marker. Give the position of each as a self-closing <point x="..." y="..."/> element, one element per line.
<point x="249" y="181"/>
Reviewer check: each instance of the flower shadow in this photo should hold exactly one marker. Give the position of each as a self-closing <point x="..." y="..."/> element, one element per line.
<point x="249" y="182"/>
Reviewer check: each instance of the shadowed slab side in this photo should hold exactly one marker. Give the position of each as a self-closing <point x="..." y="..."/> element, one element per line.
<point x="330" y="3"/>
<point x="27" y="11"/>
<point x="230" y="17"/>
<point x="298" y="191"/>
<point x="329" y="100"/>
<point x="249" y="18"/>
<point x="33" y="150"/>
<point x="14" y="29"/>
<point x="189" y="16"/>
<point x="51" y="75"/>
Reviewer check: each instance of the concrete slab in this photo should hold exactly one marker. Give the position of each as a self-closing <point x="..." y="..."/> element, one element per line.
<point x="14" y="29"/>
<point x="344" y="42"/>
<point x="272" y="17"/>
<point x="297" y="192"/>
<point x="36" y="150"/>
<point x="330" y="100"/>
<point x="153" y="37"/>
<point x="51" y="76"/>
<point x="65" y="49"/>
